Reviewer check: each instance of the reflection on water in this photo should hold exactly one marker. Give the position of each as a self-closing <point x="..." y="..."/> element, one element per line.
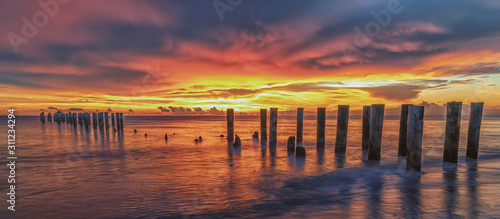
<point x="70" y="171"/>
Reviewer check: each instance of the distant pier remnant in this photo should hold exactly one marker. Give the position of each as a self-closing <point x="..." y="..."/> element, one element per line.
<point x="113" y="120"/>
<point x="273" y="126"/>
<point x="101" y="121"/>
<point x="63" y="117"/>
<point x="320" y="127"/>
<point x="94" y="120"/>
<point x="106" y="121"/>
<point x="86" y="120"/>
<point x="415" y="131"/>
<point x="403" y="128"/>
<point x="42" y="117"/>
<point x="255" y="136"/>
<point x="121" y="121"/>
<point x="342" y="123"/>
<point x="117" y="121"/>
<point x="49" y="117"/>
<point x="366" y="128"/>
<point x="75" y="119"/>
<point x="230" y="125"/>
<point x="376" y="124"/>
<point x="452" y="133"/>
<point x="263" y="126"/>
<point x="475" y="117"/>
<point x="300" y="125"/>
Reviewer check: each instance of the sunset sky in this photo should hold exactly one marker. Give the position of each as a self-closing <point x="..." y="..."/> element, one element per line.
<point x="188" y="56"/>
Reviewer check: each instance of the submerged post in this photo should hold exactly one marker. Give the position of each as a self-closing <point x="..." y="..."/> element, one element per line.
<point x="273" y="126"/>
<point x="475" y="117"/>
<point x="365" y="140"/>
<point x="320" y="127"/>
<point x="342" y="124"/>
<point x="106" y="121"/>
<point x="300" y="125"/>
<point x="376" y="125"/>
<point x="263" y="126"/>
<point x="414" y="139"/>
<point x="230" y="125"/>
<point x="403" y="128"/>
<point x="452" y="134"/>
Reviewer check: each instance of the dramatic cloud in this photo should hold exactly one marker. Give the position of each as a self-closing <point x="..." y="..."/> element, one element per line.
<point x="98" y="55"/>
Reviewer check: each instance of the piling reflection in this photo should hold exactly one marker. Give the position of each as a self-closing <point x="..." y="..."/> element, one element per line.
<point x="472" y="189"/>
<point x="411" y="195"/>
<point x="450" y="190"/>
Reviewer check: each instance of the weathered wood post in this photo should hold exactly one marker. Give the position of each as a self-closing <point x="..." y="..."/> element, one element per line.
<point x="475" y="117"/>
<point x="117" y="121"/>
<point x="63" y="117"/>
<point x="342" y="124"/>
<point x="106" y="121"/>
<point x="113" y="120"/>
<point x="376" y="125"/>
<point x="121" y="121"/>
<point x="94" y="120"/>
<point x="42" y="117"/>
<point x="80" y="118"/>
<point x="415" y="131"/>
<point x="263" y="126"/>
<point x="300" y="126"/>
<point x="86" y="120"/>
<point x="57" y="118"/>
<point x="100" y="121"/>
<point x="75" y="120"/>
<point x="403" y="128"/>
<point x="365" y="140"/>
<point x="49" y="117"/>
<point x="273" y="126"/>
<point x="452" y="133"/>
<point x="320" y="126"/>
<point x="230" y="125"/>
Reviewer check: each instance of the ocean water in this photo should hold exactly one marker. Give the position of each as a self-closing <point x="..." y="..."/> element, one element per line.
<point x="68" y="172"/>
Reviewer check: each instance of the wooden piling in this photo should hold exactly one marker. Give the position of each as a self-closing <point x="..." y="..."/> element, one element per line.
<point x="263" y="126"/>
<point x="49" y="117"/>
<point x="376" y="125"/>
<point x="320" y="126"/>
<point x="475" y="117"/>
<point x="415" y="126"/>
<point x="42" y="117"/>
<point x="100" y="121"/>
<point x="403" y="128"/>
<point x="452" y="134"/>
<point x="117" y="121"/>
<point x="75" y="119"/>
<point x="342" y="124"/>
<point x="106" y="121"/>
<point x="300" y="126"/>
<point x="273" y="126"/>
<point x="230" y="125"/>
<point x="365" y="140"/>
<point x="94" y="120"/>
<point x="113" y="120"/>
<point x="121" y="121"/>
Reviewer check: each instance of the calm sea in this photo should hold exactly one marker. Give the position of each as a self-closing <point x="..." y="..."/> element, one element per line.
<point x="68" y="172"/>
